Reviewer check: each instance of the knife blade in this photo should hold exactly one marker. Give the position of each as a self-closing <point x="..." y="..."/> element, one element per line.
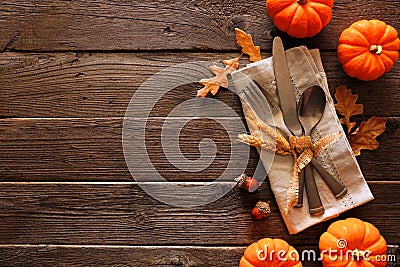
<point x="288" y="105"/>
<point x="284" y="86"/>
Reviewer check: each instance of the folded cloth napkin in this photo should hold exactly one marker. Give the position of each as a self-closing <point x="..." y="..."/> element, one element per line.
<point x="306" y="70"/>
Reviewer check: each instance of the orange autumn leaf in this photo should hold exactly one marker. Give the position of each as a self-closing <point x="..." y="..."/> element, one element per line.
<point x="364" y="136"/>
<point x="220" y="79"/>
<point x="246" y="42"/>
<point x="346" y="106"/>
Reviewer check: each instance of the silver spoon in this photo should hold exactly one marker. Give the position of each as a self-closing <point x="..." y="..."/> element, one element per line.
<point x="310" y="110"/>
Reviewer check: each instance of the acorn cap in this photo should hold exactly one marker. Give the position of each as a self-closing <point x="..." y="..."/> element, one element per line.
<point x="264" y="208"/>
<point x="241" y="180"/>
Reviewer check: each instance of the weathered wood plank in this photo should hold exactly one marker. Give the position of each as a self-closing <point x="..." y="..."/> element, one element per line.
<point x="91" y="150"/>
<point x="84" y="213"/>
<point x="153" y="25"/>
<point x="101" y="85"/>
<point x="119" y="256"/>
<point x="188" y="256"/>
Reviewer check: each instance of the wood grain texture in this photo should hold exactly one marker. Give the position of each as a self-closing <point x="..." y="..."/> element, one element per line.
<point x="68" y="70"/>
<point x="123" y="214"/>
<point x="120" y="256"/>
<point x="154" y="25"/>
<point x="188" y="256"/>
<point x="102" y="84"/>
<point x="91" y="150"/>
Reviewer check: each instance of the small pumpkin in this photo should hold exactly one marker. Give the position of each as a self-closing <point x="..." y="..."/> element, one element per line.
<point x="352" y="242"/>
<point x="300" y="18"/>
<point x="270" y="252"/>
<point x="368" y="49"/>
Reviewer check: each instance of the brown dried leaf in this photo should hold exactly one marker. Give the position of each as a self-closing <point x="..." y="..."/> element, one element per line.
<point x="346" y="106"/>
<point x="220" y="79"/>
<point x="364" y="136"/>
<point x="246" y="42"/>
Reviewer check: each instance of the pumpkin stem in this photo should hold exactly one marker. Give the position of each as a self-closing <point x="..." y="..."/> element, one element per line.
<point x="377" y="49"/>
<point x="302" y="2"/>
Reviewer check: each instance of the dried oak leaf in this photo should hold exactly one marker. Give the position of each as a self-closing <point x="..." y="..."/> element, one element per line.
<point x="364" y="136"/>
<point x="246" y="42"/>
<point x="346" y="106"/>
<point x="220" y="79"/>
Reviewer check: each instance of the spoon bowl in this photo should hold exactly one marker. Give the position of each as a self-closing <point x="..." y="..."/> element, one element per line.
<point x="311" y="108"/>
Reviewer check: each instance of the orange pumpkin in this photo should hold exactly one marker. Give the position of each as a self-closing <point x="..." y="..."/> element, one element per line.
<point x="352" y="242"/>
<point x="300" y="18"/>
<point x="368" y="49"/>
<point x="270" y="252"/>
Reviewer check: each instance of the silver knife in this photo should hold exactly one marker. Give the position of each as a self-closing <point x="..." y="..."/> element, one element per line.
<point x="288" y="105"/>
<point x="285" y="89"/>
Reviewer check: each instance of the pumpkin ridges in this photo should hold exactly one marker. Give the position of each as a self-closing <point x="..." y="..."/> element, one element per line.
<point x="367" y="239"/>
<point x="389" y="35"/>
<point x="279" y="245"/>
<point x="299" y="24"/>
<point x="389" y="58"/>
<point x="323" y="12"/>
<point x="377" y="28"/>
<point x="327" y="240"/>
<point x="328" y="262"/>
<point x="276" y="6"/>
<point x="288" y="258"/>
<point x="348" y="66"/>
<point x="343" y="230"/>
<point x="300" y="19"/>
<point x="250" y="257"/>
<point x="373" y="60"/>
<point x="356" y="225"/>
<point x="362" y="26"/>
<point x="363" y="71"/>
<point x="372" y="236"/>
<point x="352" y="36"/>
<point x="378" y="52"/>
<point x="283" y="20"/>
<point x="314" y="20"/>
<point x="393" y="45"/>
<point x="370" y="31"/>
<point x="378" y="248"/>
<point x="265" y="243"/>
<point x="349" y="52"/>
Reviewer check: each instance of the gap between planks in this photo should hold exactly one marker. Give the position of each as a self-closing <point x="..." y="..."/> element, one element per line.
<point x="149" y="183"/>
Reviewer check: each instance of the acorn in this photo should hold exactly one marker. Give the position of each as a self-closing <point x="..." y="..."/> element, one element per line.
<point x="246" y="182"/>
<point x="261" y="210"/>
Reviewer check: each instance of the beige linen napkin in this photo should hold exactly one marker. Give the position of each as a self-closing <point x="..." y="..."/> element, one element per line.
<point x="306" y="69"/>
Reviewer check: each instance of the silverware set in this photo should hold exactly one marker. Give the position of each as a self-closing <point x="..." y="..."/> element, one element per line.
<point x="292" y="118"/>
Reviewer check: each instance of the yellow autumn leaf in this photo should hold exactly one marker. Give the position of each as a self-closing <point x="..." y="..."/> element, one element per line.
<point x="220" y="79"/>
<point x="246" y="42"/>
<point x="346" y="106"/>
<point x="364" y="136"/>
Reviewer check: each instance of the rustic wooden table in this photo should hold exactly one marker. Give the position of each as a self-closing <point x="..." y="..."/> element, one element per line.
<point x="68" y="70"/>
